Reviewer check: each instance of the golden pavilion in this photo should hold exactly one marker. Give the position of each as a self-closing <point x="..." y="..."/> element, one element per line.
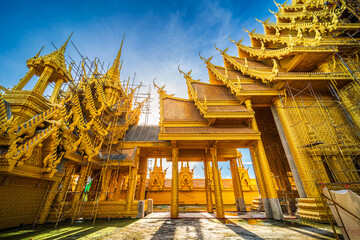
<point x="292" y="98"/>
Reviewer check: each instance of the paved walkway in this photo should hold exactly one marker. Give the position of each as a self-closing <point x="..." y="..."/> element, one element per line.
<point x="205" y="226"/>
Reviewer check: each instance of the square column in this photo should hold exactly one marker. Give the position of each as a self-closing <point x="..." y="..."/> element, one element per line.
<point x="303" y="181"/>
<point x="209" y="203"/>
<point x="131" y="189"/>
<point x="217" y="185"/>
<point x="266" y="172"/>
<point x="239" y="195"/>
<point x="261" y="183"/>
<point x="174" y="211"/>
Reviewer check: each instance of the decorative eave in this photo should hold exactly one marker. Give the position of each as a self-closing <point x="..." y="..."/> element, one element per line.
<point x="239" y="87"/>
<point x="306" y="13"/>
<point x="306" y="26"/>
<point x="205" y="106"/>
<point x="317" y="40"/>
<point x="276" y="79"/>
<point x="263" y="53"/>
<point x="201" y="133"/>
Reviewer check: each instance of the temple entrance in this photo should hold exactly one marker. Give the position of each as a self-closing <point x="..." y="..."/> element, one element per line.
<point x="213" y="176"/>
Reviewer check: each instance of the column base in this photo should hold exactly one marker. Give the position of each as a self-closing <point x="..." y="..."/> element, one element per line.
<point x="240" y="205"/>
<point x="276" y="209"/>
<point x="267" y="207"/>
<point x="141" y="209"/>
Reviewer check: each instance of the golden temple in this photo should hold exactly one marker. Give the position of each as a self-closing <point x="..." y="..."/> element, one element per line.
<point x="292" y="98"/>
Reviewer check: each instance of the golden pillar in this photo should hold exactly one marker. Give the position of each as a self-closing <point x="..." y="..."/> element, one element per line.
<point x="43" y="80"/>
<point x="175" y="184"/>
<point x="118" y="186"/>
<point x="56" y="90"/>
<point x="209" y="203"/>
<point x="217" y="185"/>
<point x="140" y="194"/>
<point x="105" y="185"/>
<point x="238" y="192"/>
<point x="48" y="202"/>
<point x="131" y="189"/>
<point x="301" y="163"/>
<point x="25" y="79"/>
<point x="143" y="163"/>
<point x="266" y="172"/>
<point x="260" y="182"/>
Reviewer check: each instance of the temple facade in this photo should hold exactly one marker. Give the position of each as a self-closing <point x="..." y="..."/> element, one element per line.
<point x="292" y="98"/>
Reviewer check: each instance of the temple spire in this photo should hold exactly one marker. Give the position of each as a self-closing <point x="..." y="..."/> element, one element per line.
<point x="62" y="49"/>
<point x="38" y="54"/>
<point x="114" y="71"/>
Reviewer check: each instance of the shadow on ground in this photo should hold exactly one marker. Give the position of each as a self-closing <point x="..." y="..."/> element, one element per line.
<point x="80" y="229"/>
<point x="194" y="229"/>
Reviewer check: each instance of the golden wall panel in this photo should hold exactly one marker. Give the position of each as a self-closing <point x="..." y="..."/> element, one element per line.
<point x="20" y="199"/>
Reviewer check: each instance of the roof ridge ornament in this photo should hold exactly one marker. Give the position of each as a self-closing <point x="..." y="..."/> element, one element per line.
<point x="221" y="51"/>
<point x="263" y="22"/>
<point x="250" y="33"/>
<point x="273" y="12"/>
<point x="237" y="43"/>
<point x="186" y="75"/>
<point x="204" y="59"/>
<point x="160" y="89"/>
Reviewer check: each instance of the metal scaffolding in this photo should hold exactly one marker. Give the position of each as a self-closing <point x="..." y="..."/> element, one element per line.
<point x="94" y="187"/>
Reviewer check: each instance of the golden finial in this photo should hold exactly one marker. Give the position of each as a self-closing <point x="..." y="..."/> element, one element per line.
<point x="277" y="34"/>
<point x="38" y="54"/>
<point x="317" y="35"/>
<point x="160" y="89"/>
<point x="71" y="66"/>
<point x="250" y="33"/>
<point x="83" y="67"/>
<point x="263" y="22"/>
<point x="186" y="75"/>
<point x="272" y="12"/>
<point x="275" y="68"/>
<point x="237" y="43"/>
<point x="238" y="82"/>
<point x="222" y="52"/>
<point x="291" y="41"/>
<point x="226" y="73"/>
<point x="299" y="33"/>
<point x="205" y="60"/>
<point x="63" y="47"/>
<point x="277" y="5"/>
<point x="259" y="20"/>
<point x="119" y="53"/>
<point x="262" y="46"/>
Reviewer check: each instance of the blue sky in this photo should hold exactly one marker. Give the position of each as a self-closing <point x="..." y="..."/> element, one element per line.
<point x="160" y="35"/>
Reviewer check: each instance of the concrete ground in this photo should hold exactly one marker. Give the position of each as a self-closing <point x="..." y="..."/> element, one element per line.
<point x="190" y="225"/>
<point x="203" y="225"/>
